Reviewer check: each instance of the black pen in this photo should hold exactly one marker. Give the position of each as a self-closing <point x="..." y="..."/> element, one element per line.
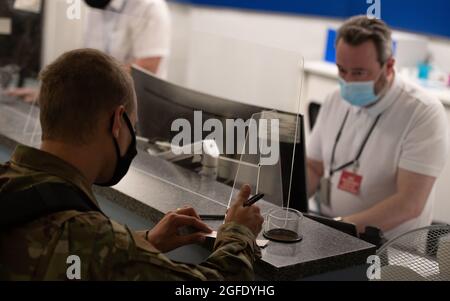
<point x="253" y="199"/>
<point x="212" y="217"/>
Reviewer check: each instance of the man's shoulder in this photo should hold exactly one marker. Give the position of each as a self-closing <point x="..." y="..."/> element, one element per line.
<point x="417" y="97"/>
<point x="147" y="6"/>
<point x="52" y="239"/>
<point x="4" y="168"/>
<point x="107" y="232"/>
<point x="418" y="108"/>
<point x="147" y="3"/>
<point x="91" y="219"/>
<point x="78" y="224"/>
<point x="15" y="178"/>
<point x="96" y="224"/>
<point x="90" y="235"/>
<point x="84" y="229"/>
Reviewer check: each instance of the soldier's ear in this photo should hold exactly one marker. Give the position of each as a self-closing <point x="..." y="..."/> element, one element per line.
<point x="117" y="122"/>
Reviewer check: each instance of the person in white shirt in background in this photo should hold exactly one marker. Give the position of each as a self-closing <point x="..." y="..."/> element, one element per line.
<point x="134" y="32"/>
<point x="379" y="143"/>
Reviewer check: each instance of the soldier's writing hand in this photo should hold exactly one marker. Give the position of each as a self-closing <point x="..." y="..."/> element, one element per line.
<point x="248" y="216"/>
<point x="165" y="235"/>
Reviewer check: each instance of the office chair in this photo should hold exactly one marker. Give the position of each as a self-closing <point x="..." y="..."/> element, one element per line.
<point x="432" y="238"/>
<point x="418" y="255"/>
<point x="313" y="112"/>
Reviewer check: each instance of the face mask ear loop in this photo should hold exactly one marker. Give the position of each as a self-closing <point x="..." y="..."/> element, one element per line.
<point x="383" y="90"/>
<point x="381" y="72"/>
<point x="116" y="146"/>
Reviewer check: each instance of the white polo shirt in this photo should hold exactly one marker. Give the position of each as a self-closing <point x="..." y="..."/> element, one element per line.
<point x="128" y="30"/>
<point x="411" y="134"/>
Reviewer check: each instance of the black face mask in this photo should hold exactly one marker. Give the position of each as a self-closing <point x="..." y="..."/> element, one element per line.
<point x="100" y="4"/>
<point x="123" y="163"/>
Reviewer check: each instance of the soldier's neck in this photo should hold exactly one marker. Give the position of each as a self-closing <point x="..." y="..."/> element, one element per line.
<point x="79" y="156"/>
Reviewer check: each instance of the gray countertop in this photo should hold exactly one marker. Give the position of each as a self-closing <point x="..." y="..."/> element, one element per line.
<point x="154" y="186"/>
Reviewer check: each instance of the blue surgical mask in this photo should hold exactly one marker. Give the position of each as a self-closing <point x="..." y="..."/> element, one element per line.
<point x="360" y="94"/>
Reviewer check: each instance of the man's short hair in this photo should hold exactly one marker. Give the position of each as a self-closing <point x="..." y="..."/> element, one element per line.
<point x="79" y="88"/>
<point x="360" y="29"/>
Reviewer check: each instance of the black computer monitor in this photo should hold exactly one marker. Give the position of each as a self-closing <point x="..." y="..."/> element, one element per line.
<point x="161" y="102"/>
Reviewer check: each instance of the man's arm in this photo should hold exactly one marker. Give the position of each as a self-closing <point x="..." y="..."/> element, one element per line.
<point x="31" y="95"/>
<point x="235" y="250"/>
<point x="151" y="36"/>
<point x="413" y="190"/>
<point x="133" y="258"/>
<point x="150" y="63"/>
<point x="315" y="173"/>
<point x="233" y="257"/>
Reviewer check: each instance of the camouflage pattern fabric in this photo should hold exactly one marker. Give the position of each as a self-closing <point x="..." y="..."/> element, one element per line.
<point x="107" y="250"/>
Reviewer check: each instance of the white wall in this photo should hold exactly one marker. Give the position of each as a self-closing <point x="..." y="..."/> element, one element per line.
<point x="440" y="51"/>
<point x="303" y="35"/>
<point x="209" y="45"/>
<point x="217" y="48"/>
<point x="60" y="33"/>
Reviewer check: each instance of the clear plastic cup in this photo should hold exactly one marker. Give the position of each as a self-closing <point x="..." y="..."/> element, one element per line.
<point x="283" y="225"/>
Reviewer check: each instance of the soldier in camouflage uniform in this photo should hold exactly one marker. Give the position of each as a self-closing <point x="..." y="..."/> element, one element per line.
<point x="39" y="248"/>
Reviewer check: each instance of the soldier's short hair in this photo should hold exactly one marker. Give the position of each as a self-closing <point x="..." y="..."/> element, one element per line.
<point x="360" y="29"/>
<point x="77" y="90"/>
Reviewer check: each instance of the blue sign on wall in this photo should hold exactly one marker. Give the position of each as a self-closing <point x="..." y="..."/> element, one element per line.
<point x="421" y="16"/>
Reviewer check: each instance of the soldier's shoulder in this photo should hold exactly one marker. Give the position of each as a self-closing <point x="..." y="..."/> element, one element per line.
<point x="98" y="224"/>
<point x="4" y="166"/>
<point x="5" y="175"/>
<point x="91" y="219"/>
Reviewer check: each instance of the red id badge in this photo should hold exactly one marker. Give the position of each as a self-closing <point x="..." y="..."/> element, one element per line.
<point x="350" y="182"/>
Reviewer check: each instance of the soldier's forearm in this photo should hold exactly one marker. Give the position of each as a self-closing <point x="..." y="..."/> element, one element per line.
<point x="235" y="253"/>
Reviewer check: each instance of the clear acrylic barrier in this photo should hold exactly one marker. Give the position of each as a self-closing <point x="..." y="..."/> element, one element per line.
<point x="255" y="74"/>
<point x="20" y="120"/>
<point x="239" y="70"/>
<point x="266" y="164"/>
<point x="243" y="78"/>
<point x="267" y="158"/>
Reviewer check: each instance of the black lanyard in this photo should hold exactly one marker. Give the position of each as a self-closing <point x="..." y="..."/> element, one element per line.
<point x="361" y="149"/>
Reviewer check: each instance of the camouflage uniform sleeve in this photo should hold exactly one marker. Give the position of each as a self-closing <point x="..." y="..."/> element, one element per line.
<point x="235" y="252"/>
<point x="131" y="257"/>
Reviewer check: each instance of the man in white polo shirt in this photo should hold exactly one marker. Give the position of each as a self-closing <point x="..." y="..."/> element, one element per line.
<point x="379" y="142"/>
<point x="133" y="32"/>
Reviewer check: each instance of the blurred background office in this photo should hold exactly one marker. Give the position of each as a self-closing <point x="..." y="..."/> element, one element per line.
<point x="216" y="47"/>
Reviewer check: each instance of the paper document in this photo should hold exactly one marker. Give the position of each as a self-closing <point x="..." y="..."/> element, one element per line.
<point x="262" y="243"/>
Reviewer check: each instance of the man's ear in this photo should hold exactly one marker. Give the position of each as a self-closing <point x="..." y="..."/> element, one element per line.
<point x="117" y="123"/>
<point x="390" y="64"/>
